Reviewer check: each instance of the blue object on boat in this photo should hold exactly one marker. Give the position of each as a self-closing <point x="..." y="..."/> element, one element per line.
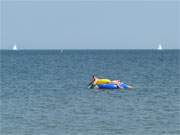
<point x="107" y="86"/>
<point x="112" y="86"/>
<point x="123" y="86"/>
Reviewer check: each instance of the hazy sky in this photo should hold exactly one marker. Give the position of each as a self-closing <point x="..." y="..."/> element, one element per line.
<point x="46" y="24"/>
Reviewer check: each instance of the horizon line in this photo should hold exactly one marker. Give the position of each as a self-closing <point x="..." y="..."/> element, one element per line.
<point x="90" y="49"/>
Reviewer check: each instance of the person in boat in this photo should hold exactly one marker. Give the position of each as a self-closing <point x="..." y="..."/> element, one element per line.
<point x="96" y="81"/>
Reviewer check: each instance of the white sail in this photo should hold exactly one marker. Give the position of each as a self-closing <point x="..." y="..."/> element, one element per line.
<point x="15" y="47"/>
<point x="159" y="47"/>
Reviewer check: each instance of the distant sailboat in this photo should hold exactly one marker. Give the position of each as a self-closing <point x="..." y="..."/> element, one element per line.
<point x="159" y="47"/>
<point x="15" y="47"/>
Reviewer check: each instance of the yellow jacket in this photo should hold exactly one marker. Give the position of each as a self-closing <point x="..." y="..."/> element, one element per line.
<point x="103" y="81"/>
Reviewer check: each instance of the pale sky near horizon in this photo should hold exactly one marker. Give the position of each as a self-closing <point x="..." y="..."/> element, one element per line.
<point x="94" y="24"/>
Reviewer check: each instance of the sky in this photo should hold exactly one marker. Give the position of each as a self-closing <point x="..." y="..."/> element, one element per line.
<point x="92" y="24"/>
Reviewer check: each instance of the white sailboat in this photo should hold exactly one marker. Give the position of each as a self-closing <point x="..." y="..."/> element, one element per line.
<point x="15" y="47"/>
<point x="159" y="47"/>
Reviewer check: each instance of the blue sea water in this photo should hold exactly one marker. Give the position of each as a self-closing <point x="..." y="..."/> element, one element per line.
<point x="44" y="92"/>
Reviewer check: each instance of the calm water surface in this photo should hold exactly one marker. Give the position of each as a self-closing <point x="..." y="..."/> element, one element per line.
<point x="45" y="92"/>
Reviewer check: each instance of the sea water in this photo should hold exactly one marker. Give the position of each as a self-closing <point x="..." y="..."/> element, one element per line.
<point x="45" y="92"/>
